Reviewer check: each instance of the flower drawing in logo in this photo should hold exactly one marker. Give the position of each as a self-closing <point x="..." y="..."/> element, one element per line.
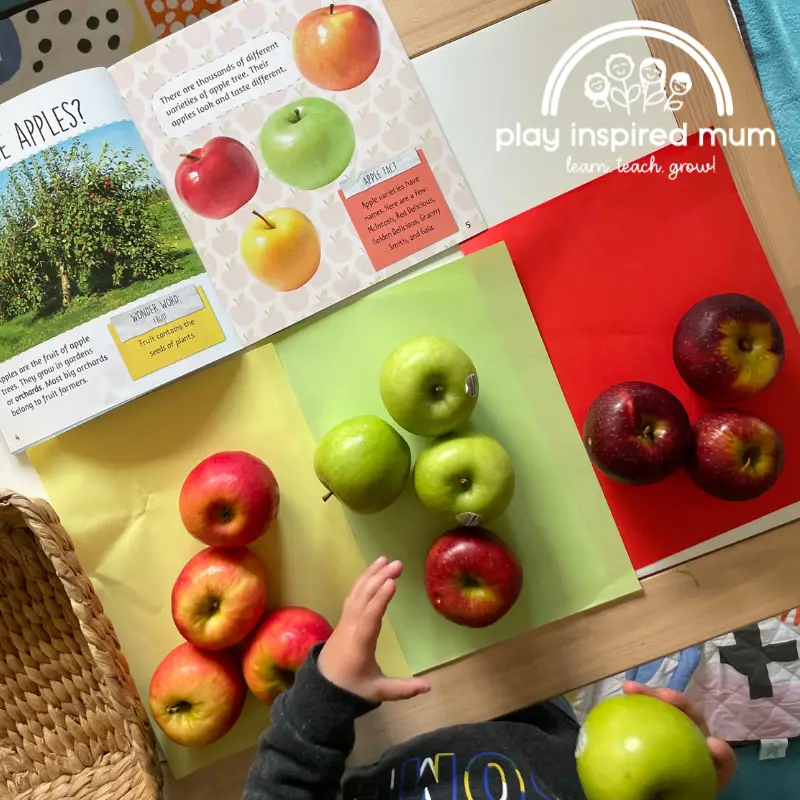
<point x="620" y="86"/>
<point x="619" y="69"/>
<point x="597" y="88"/>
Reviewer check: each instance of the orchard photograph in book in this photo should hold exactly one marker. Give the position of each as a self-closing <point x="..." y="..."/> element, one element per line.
<point x="86" y="227"/>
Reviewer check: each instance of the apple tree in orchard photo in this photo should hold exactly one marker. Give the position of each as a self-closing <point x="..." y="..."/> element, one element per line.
<point x="73" y="224"/>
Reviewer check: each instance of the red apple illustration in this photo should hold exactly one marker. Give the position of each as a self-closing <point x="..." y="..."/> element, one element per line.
<point x="337" y="47"/>
<point x="218" y="178"/>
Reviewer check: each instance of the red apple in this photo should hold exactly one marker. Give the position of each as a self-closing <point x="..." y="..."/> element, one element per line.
<point x="218" y="178"/>
<point x="195" y="696"/>
<point x="229" y="499"/>
<point x="737" y="456"/>
<point x="728" y="347"/>
<point x="637" y="433"/>
<point x="278" y="647"/>
<point x="337" y="47"/>
<point x="472" y="578"/>
<point x="219" y="597"/>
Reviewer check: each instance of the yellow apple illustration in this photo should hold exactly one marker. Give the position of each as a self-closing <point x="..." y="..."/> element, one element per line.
<point x="281" y="248"/>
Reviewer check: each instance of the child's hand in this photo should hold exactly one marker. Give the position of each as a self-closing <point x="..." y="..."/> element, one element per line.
<point x="721" y="752"/>
<point x="348" y="657"/>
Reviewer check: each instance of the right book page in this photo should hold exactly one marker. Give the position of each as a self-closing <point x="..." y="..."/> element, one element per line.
<point x="301" y="152"/>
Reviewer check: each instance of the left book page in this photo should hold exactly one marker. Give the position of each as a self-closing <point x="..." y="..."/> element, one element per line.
<point x="102" y="295"/>
<point x="300" y="149"/>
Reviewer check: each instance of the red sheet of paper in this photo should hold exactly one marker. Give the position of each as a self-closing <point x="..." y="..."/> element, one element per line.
<point x="608" y="270"/>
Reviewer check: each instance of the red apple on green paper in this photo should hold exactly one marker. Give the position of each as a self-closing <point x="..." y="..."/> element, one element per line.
<point x="737" y="456"/>
<point x="337" y="47"/>
<point x="196" y="696"/>
<point x="218" y="178"/>
<point x="219" y="597"/>
<point x="471" y="577"/>
<point x="466" y="480"/>
<point x="281" y="249"/>
<point x="278" y="647"/>
<point x="637" y="432"/>
<point x="229" y="499"/>
<point x="429" y="386"/>
<point x="728" y="347"/>
<point x="636" y="747"/>
<point x="308" y="144"/>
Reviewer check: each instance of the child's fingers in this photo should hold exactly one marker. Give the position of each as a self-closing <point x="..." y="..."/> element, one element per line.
<point x="374" y="582"/>
<point x="724" y="760"/>
<point x="389" y="689"/>
<point x="369" y="626"/>
<point x="674" y="698"/>
<point x="378" y="564"/>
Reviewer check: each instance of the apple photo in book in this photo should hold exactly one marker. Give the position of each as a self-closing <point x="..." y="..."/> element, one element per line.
<point x="87" y="227"/>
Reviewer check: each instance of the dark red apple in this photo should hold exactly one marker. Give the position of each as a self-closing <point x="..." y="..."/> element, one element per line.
<point x="472" y="578"/>
<point x="337" y="47"/>
<point x="218" y="178"/>
<point x="637" y="432"/>
<point x="728" y="347"/>
<point x="737" y="456"/>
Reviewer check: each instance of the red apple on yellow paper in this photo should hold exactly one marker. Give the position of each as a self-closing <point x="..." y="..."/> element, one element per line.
<point x="278" y="647"/>
<point x="281" y="248"/>
<point x="196" y="696"/>
<point x="229" y="499"/>
<point x="219" y="597"/>
<point x="337" y="47"/>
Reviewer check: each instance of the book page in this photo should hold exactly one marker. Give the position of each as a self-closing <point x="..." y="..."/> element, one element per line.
<point x="301" y="151"/>
<point x="102" y="296"/>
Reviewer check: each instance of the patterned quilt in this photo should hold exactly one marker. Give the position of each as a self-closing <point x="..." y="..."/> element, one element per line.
<point x="747" y="682"/>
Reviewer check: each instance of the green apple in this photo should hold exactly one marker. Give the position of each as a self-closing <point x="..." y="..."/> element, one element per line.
<point x="636" y="747"/>
<point x="466" y="479"/>
<point x="308" y="143"/>
<point x="429" y="386"/>
<point x="364" y="462"/>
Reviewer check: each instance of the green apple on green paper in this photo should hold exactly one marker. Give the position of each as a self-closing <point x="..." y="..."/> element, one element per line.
<point x="429" y="386"/>
<point x="308" y="143"/>
<point x="466" y="479"/>
<point x="364" y="462"/>
<point x="635" y="747"/>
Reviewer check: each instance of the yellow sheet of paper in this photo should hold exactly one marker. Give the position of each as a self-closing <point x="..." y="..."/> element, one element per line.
<point x="115" y="482"/>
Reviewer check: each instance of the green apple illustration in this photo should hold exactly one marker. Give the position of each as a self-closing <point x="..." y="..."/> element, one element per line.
<point x="636" y="747"/>
<point x="308" y="143"/>
<point x="429" y="386"/>
<point x="364" y="462"/>
<point x="467" y="479"/>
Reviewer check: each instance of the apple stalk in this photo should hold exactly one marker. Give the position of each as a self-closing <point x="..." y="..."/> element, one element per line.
<point x="264" y="220"/>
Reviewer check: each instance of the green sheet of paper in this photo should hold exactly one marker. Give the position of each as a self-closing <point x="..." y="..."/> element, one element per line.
<point x="558" y="522"/>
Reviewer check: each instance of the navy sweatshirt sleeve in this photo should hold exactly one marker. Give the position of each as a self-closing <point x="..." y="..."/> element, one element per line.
<point x="302" y="753"/>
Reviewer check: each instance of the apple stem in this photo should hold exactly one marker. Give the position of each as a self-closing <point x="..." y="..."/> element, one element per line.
<point x="327" y="497"/>
<point x="264" y="220"/>
<point x="646" y="433"/>
<point x="190" y="156"/>
<point x="746" y="464"/>
<point x="297" y="115"/>
<point x="331" y="9"/>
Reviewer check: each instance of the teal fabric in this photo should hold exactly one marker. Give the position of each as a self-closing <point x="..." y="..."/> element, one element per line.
<point x="777" y="779"/>
<point x="774" y="30"/>
<point x="8" y="5"/>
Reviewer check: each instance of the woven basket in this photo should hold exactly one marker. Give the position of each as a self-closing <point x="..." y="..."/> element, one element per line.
<point x="71" y="723"/>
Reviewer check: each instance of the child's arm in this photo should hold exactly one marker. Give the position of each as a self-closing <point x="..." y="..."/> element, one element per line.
<point x="301" y="755"/>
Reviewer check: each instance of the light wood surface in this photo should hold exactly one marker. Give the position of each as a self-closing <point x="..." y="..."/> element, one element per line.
<point x="684" y="605"/>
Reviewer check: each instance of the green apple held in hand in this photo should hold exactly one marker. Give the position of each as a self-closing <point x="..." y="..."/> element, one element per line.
<point x="364" y="462"/>
<point x="466" y="479"/>
<point x="308" y="144"/>
<point x="636" y="747"/>
<point x="429" y="386"/>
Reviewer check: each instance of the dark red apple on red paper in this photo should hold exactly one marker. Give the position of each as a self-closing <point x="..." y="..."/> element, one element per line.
<point x="337" y="47"/>
<point x="196" y="696"/>
<point x="472" y="578"/>
<point x="728" y="347"/>
<point x="219" y="597"/>
<point x="637" y="432"/>
<point x="278" y="647"/>
<point x="229" y="499"/>
<point x="218" y="178"/>
<point x="737" y="456"/>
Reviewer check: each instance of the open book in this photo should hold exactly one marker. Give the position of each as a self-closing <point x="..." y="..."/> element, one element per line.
<point x="214" y="188"/>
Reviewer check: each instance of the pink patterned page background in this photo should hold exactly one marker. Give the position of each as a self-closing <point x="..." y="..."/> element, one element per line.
<point x="390" y="115"/>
